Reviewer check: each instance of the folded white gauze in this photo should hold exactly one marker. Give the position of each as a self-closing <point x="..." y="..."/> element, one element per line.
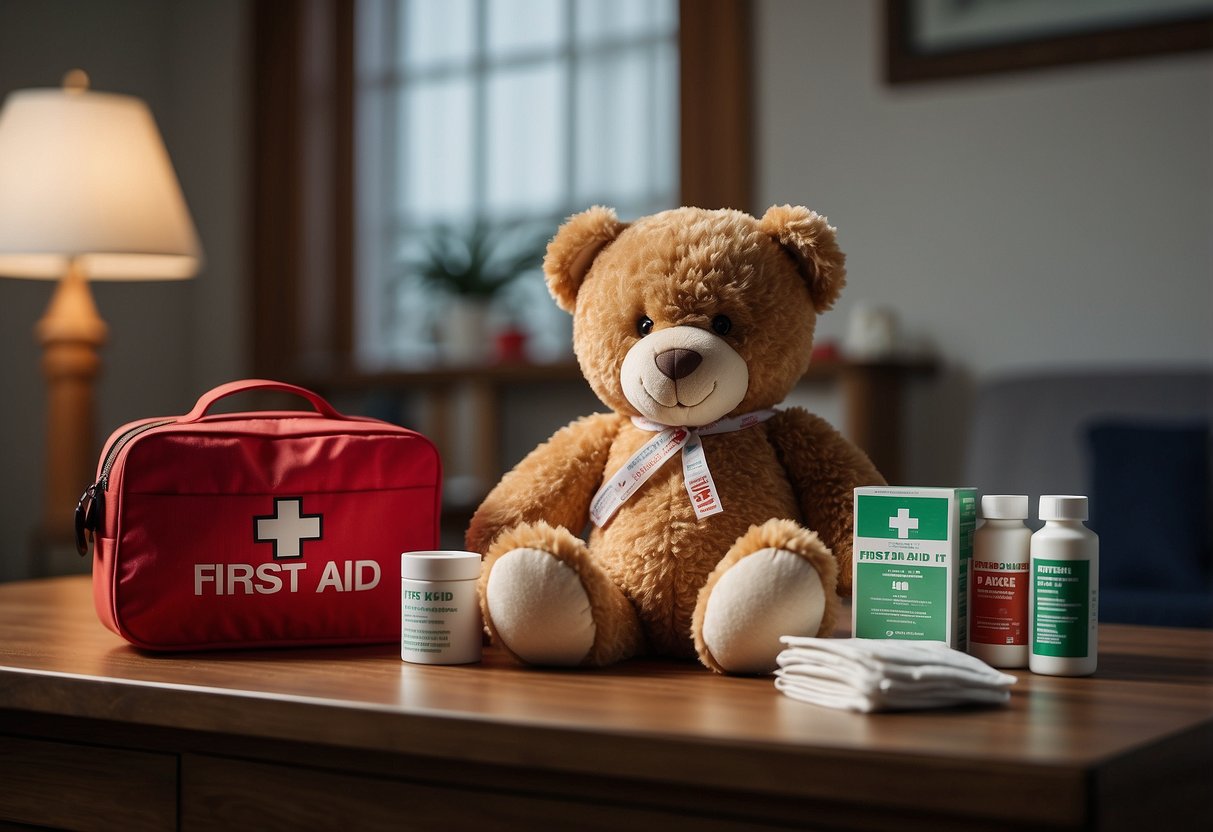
<point x="868" y="674"/>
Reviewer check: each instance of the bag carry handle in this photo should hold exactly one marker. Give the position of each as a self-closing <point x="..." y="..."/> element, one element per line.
<point x="233" y="387"/>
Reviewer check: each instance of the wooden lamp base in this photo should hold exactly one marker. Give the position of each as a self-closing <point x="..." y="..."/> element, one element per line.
<point x="71" y="333"/>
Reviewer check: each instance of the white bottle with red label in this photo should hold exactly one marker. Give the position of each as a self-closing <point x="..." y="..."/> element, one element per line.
<point x="998" y="582"/>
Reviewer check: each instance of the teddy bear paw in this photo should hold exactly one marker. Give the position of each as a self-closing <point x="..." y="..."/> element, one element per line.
<point x="539" y="608"/>
<point x="765" y="595"/>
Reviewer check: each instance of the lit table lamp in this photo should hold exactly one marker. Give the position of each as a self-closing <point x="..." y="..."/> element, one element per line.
<point x="87" y="192"/>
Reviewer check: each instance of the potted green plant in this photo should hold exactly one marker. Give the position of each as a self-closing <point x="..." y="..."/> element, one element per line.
<point x="471" y="265"/>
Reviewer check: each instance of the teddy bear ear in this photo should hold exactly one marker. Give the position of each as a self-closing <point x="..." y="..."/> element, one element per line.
<point x="572" y="251"/>
<point x="811" y="241"/>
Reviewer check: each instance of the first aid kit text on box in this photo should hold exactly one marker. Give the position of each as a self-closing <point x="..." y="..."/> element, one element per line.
<point x="910" y="561"/>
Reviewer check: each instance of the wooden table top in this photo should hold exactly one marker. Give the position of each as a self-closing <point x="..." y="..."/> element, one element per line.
<point x="643" y="718"/>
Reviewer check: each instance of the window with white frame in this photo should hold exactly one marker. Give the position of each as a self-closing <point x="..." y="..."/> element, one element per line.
<point x="506" y="113"/>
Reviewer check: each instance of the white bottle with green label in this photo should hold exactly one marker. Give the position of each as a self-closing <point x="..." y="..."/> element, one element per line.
<point x="1064" y="590"/>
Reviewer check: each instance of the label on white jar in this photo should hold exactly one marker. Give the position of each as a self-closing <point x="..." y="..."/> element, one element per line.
<point x="1061" y="612"/>
<point x="439" y="622"/>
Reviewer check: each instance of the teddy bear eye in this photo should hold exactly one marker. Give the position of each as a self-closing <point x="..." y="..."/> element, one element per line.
<point x="644" y="325"/>
<point x="721" y="325"/>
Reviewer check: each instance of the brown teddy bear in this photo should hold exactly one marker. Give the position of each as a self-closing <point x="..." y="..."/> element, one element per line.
<point x="719" y="524"/>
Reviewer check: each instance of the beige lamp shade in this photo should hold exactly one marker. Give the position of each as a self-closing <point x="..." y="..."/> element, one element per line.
<point x="85" y="176"/>
<point x="87" y="192"/>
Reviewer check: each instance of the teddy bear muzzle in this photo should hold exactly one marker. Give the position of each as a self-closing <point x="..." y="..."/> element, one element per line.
<point x="683" y="375"/>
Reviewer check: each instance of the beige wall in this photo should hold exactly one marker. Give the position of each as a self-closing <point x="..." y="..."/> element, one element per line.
<point x="1057" y="217"/>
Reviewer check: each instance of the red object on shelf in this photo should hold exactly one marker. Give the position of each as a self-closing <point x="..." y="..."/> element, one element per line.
<point x="825" y="351"/>
<point x="511" y="346"/>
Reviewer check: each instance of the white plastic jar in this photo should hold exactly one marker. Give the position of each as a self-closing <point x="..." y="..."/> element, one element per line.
<point x="998" y="582"/>
<point x="439" y="611"/>
<point x="1065" y="590"/>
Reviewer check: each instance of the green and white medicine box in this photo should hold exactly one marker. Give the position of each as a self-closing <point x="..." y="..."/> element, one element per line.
<point x="910" y="563"/>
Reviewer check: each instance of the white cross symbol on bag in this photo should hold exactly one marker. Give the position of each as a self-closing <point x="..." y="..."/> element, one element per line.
<point x="287" y="528"/>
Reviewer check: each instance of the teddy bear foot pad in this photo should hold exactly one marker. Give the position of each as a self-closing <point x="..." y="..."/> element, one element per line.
<point x="765" y="595"/>
<point x="539" y="608"/>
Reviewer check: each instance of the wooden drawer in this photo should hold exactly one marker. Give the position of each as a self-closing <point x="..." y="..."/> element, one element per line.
<point x="69" y="786"/>
<point x="221" y="793"/>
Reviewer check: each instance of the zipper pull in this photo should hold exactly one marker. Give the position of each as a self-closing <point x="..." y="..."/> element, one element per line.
<point x="88" y="516"/>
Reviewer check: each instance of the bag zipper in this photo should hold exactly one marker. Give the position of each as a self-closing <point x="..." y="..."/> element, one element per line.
<point x="104" y="479"/>
<point x="90" y="510"/>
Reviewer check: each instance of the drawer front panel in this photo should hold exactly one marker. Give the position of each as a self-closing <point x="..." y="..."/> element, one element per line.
<point x="82" y="787"/>
<point x="219" y="793"/>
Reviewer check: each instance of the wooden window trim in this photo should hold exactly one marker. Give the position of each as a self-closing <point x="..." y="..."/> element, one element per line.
<point x="715" y="104"/>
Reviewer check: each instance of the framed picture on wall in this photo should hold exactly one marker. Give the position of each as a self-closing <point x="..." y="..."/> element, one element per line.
<point x="929" y="40"/>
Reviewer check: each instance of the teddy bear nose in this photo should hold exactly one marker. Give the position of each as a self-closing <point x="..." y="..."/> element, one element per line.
<point x="677" y="363"/>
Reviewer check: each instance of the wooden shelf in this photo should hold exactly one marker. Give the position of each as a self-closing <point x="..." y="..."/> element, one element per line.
<point x="512" y="373"/>
<point x="446" y="375"/>
<point x="872" y="394"/>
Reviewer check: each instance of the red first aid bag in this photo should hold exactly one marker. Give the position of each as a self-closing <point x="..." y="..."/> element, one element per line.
<point x="257" y="529"/>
